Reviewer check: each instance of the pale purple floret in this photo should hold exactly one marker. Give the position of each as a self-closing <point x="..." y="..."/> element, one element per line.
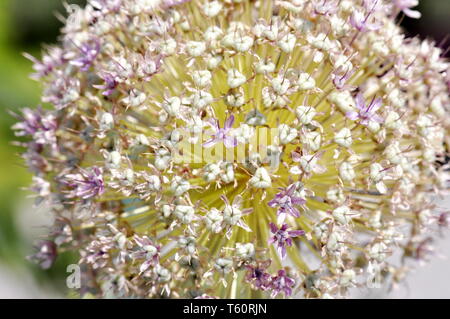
<point x="45" y="255"/>
<point x="282" y="237"/>
<point x="424" y="249"/>
<point x="281" y="283"/>
<point x="340" y="79"/>
<point x="444" y="219"/>
<point x="62" y="91"/>
<point x="406" y="5"/>
<point x="326" y="7"/>
<point x="34" y="160"/>
<point x="110" y="84"/>
<point x="258" y="276"/>
<point x="374" y="5"/>
<point x="222" y="134"/>
<point x="39" y="125"/>
<point x="86" y="184"/>
<point x="286" y="201"/>
<point x="148" y="251"/>
<point x="98" y="252"/>
<point x="31" y="122"/>
<point x="149" y="65"/>
<point x="366" y="113"/>
<point x="88" y="53"/>
<point x="53" y="59"/>
<point x="362" y="23"/>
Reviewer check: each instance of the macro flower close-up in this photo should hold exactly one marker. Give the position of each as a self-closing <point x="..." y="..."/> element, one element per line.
<point x="239" y="148"/>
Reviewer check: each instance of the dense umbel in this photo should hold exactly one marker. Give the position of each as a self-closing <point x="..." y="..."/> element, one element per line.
<point x="362" y="128"/>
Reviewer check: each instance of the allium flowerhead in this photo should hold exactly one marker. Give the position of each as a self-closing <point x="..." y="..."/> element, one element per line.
<point x="199" y="148"/>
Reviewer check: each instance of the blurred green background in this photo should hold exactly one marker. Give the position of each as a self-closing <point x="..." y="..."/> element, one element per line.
<point x="24" y="26"/>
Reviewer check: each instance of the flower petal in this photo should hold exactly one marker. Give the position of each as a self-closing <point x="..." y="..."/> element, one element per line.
<point x="352" y="115"/>
<point x="360" y="103"/>
<point x="229" y="122"/>
<point x="412" y="13"/>
<point x="273" y="228"/>
<point x="230" y="141"/>
<point x="210" y="142"/>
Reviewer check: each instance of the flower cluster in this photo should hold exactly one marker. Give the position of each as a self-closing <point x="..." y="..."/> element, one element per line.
<point x="361" y="120"/>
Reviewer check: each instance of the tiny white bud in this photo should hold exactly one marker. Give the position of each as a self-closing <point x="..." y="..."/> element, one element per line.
<point x="212" y="33"/>
<point x="377" y="172"/>
<point x="113" y="159"/>
<point x="202" y="78"/>
<point x="211" y="171"/>
<point x="213" y="220"/>
<point x="235" y="98"/>
<point x="286" y="133"/>
<point x="287" y="43"/>
<point x="343" y="100"/>
<point x="280" y="85"/>
<point x="347" y="278"/>
<point x="231" y="215"/>
<point x="135" y="98"/>
<point x="195" y="48"/>
<point x="235" y="78"/>
<point x="375" y="219"/>
<point x="312" y="140"/>
<point x="378" y="251"/>
<point x="184" y="213"/>
<point x="261" y="179"/>
<point x="245" y="251"/>
<point x="305" y="114"/>
<point x="227" y="175"/>
<point x="264" y="66"/>
<point x="154" y="183"/>
<point x="223" y="265"/>
<point x="106" y="121"/>
<point x="392" y="120"/>
<point x="214" y="61"/>
<point x="172" y="106"/>
<point x="343" y="214"/>
<point x="306" y="82"/>
<point x="168" y="46"/>
<point x="346" y="172"/>
<point x="242" y="44"/>
<point x="344" y="137"/>
<point x="179" y="186"/>
<point x="201" y="99"/>
<point x="211" y="9"/>
<point x="336" y="195"/>
<point x="393" y="153"/>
